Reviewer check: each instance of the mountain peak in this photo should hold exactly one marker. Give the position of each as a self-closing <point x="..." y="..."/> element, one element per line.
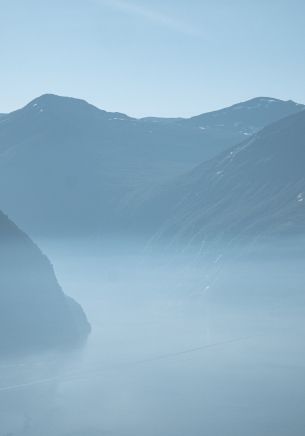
<point x="54" y="101"/>
<point x="249" y="116"/>
<point x="61" y="105"/>
<point x="263" y="102"/>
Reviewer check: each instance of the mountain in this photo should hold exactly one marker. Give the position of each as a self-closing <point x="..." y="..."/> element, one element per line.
<point x="67" y="166"/>
<point x="253" y="190"/>
<point x="35" y="314"/>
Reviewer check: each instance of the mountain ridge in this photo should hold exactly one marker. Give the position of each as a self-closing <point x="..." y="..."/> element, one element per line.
<point x="255" y="188"/>
<point x="69" y="167"/>
<point x="49" y="97"/>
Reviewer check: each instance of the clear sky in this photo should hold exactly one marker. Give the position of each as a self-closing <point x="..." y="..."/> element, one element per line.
<point x="152" y="57"/>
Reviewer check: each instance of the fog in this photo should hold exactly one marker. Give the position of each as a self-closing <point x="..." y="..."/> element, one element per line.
<point x="184" y="342"/>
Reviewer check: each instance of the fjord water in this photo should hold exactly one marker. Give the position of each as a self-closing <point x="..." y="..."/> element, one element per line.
<point x="182" y="343"/>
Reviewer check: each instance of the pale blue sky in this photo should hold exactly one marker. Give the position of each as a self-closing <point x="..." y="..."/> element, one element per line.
<point x="161" y="57"/>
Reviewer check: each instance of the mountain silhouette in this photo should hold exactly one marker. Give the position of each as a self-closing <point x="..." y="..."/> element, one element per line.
<point x="69" y="167"/>
<point x="35" y="314"/>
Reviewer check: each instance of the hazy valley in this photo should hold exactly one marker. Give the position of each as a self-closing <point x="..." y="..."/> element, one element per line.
<point x="183" y="242"/>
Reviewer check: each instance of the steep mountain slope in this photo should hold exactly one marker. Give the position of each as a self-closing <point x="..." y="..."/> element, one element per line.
<point x="66" y="166"/>
<point x="254" y="189"/>
<point x="34" y="312"/>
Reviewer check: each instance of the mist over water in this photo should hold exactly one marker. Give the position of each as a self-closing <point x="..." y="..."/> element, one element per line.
<point x="182" y="343"/>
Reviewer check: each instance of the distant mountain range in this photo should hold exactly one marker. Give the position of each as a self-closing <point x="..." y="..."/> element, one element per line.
<point x="35" y="314"/>
<point x="67" y="167"/>
<point x="255" y="189"/>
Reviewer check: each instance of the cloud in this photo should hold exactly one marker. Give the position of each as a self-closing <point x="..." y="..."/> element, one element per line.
<point x="152" y="16"/>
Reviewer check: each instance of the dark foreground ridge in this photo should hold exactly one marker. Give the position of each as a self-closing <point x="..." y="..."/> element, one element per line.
<point x="35" y="314"/>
